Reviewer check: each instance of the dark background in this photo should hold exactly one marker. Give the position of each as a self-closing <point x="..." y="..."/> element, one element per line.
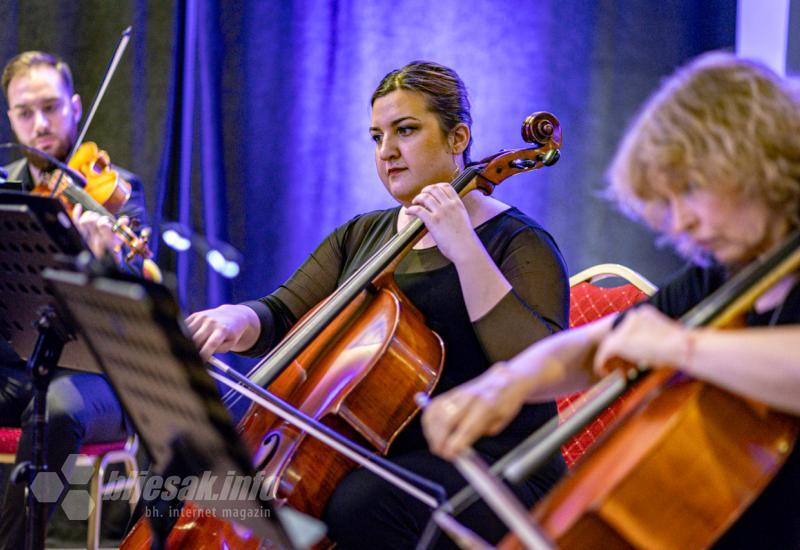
<point x="248" y="120"/>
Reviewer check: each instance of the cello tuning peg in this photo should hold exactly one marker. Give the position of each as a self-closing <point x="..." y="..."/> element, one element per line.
<point x="522" y="164"/>
<point x="551" y="157"/>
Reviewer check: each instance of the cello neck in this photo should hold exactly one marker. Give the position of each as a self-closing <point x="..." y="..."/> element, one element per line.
<point x="742" y="290"/>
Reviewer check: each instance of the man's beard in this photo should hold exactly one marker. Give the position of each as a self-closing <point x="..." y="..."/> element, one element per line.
<point x="60" y="153"/>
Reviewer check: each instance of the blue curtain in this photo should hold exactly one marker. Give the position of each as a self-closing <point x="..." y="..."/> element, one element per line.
<point x="278" y="99"/>
<point x="247" y="119"/>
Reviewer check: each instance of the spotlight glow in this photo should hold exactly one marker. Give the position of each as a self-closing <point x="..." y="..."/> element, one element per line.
<point x="175" y="241"/>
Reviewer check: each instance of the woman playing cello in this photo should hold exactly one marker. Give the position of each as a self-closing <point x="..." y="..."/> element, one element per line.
<point x="713" y="163"/>
<point x="488" y="280"/>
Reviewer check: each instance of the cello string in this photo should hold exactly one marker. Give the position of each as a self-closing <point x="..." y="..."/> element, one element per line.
<point x="264" y="372"/>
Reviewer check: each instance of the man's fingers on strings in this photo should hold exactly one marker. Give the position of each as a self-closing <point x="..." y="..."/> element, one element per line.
<point x="77" y="210"/>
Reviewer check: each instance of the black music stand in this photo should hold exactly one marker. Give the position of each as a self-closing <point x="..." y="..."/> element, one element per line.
<point x="37" y="234"/>
<point x="7" y="184"/>
<point x="133" y="329"/>
<point x="10" y="185"/>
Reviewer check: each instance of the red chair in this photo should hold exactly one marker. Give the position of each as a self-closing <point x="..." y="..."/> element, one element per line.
<point x="589" y="302"/>
<point x="100" y="456"/>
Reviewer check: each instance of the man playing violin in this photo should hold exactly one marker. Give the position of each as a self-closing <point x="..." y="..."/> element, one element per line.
<point x="712" y="163"/>
<point x="487" y="279"/>
<point x="44" y="112"/>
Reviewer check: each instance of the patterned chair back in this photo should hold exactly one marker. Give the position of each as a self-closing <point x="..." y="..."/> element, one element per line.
<point x="589" y="302"/>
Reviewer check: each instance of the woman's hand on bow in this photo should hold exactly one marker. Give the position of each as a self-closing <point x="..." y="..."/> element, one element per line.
<point x="454" y="420"/>
<point x="645" y="336"/>
<point x="229" y="327"/>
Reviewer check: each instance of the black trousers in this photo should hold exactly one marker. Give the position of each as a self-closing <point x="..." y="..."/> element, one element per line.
<point x="81" y="408"/>
<point x="368" y="512"/>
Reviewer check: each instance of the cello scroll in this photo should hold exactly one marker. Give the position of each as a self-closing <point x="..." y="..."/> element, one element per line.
<point x="543" y="130"/>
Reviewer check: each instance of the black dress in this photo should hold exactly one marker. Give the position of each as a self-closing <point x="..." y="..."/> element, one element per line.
<point x="365" y="511"/>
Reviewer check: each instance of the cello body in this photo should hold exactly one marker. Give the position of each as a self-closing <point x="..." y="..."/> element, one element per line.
<point x="682" y="462"/>
<point x="360" y="379"/>
<point x="684" y="458"/>
<point x="361" y="383"/>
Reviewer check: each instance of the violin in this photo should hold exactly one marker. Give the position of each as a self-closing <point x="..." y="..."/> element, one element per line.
<point x="97" y="187"/>
<point x="92" y="182"/>
<point x="107" y="194"/>
<point x="100" y="181"/>
<point x="351" y="366"/>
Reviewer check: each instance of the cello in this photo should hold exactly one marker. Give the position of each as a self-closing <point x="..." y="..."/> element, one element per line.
<point x="353" y="365"/>
<point x="684" y="458"/>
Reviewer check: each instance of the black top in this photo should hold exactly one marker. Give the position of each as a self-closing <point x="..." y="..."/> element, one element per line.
<point x="773" y="520"/>
<point x="134" y="208"/>
<point x="538" y="305"/>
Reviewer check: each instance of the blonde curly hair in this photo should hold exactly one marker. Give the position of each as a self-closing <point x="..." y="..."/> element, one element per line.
<point x="720" y="123"/>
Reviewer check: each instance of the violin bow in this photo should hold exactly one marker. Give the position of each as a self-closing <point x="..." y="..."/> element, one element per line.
<point x="101" y="91"/>
<point x="98" y="97"/>
<point x="391" y="473"/>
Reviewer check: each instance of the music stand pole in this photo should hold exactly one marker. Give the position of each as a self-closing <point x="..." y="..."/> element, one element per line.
<point x="41" y="365"/>
<point x="34" y="238"/>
